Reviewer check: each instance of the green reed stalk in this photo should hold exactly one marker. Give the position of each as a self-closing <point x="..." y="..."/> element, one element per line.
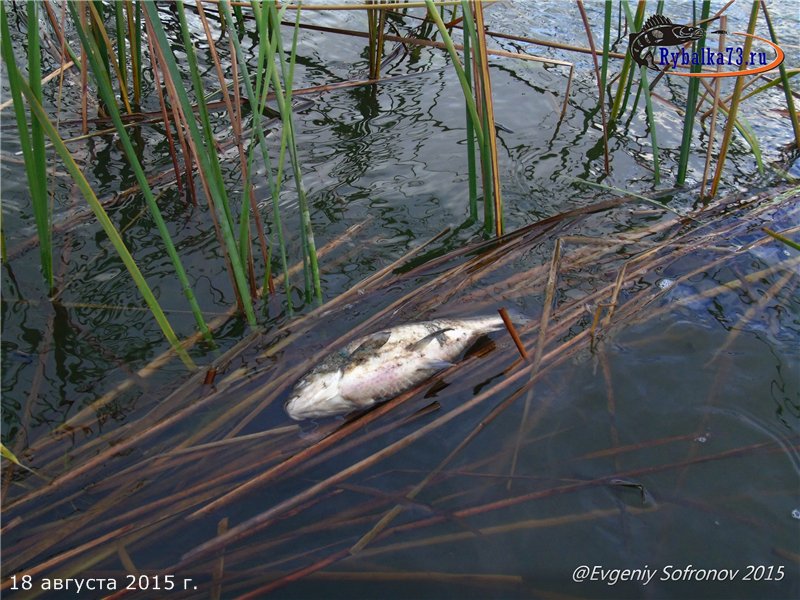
<point x="284" y="100"/>
<point x="787" y="90"/>
<point x="97" y="28"/>
<point x="237" y="12"/>
<point x="626" y="76"/>
<point x="36" y="169"/>
<point x="645" y="88"/>
<point x="770" y="84"/>
<point x="462" y="78"/>
<point x="258" y="102"/>
<point x="780" y="238"/>
<point x="134" y="13"/>
<point x="471" y="68"/>
<point x="691" y="103"/>
<point x="478" y="126"/>
<point x="97" y="207"/>
<point x="106" y="91"/>
<point x="106" y="46"/>
<point x="476" y="67"/>
<point x="471" y="170"/>
<point x="122" y="54"/>
<point x="487" y="104"/>
<point x="207" y="152"/>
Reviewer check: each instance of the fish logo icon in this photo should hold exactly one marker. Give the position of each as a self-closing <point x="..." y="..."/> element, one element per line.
<point x="658" y="30"/>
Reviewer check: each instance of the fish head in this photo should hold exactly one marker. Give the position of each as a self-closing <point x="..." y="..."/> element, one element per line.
<point x="316" y="395"/>
<point x="689" y="33"/>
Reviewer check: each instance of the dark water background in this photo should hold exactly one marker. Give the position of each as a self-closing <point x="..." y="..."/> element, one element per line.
<point x="395" y="154"/>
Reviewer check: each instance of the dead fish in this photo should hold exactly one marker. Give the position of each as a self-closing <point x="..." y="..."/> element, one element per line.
<point x="658" y="30"/>
<point x="381" y="365"/>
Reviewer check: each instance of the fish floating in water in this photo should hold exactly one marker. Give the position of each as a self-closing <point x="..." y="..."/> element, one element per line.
<point x="381" y="365"/>
<point x="658" y="30"/>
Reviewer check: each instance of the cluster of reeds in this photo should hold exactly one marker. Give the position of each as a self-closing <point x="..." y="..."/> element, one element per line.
<point x="113" y="59"/>
<point x="168" y="477"/>
<point x="111" y="56"/>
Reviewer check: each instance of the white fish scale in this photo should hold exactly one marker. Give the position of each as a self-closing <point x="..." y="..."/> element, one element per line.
<point x="395" y="368"/>
<point x="359" y="376"/>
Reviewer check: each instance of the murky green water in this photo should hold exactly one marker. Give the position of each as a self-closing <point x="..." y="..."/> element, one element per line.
<point x="670" y="444"/>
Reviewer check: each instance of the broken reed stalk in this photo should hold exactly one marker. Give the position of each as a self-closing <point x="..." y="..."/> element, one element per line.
<point x="691" y="103"/>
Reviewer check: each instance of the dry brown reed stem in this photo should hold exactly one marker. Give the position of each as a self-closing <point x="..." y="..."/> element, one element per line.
<point x="540" y="523"/>
<point x="181" y="122"/>
<point x="548" y="43"/>
<point x="236" y="126"/>
<point x="630" y="307"/>
<point x="46" y="79"/>
<point x="601" y="101"/>
<point x="434" y="44"/>
<point x="734" y="108"/>
<point x="165" y="116"/>
<point x="512" y="331"/>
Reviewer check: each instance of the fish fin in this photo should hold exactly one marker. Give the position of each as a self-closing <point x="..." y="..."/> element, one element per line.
<point x="656" y="21"/>
<point x="418" y="345"/>
<point x="371" y="343"/>
<point x="436" y="365"/>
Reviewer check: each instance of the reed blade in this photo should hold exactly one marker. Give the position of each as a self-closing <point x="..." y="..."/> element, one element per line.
<point x="102" y="217"/>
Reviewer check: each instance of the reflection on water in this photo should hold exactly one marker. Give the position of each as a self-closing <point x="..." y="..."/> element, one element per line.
<point x="670" y="441"/>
